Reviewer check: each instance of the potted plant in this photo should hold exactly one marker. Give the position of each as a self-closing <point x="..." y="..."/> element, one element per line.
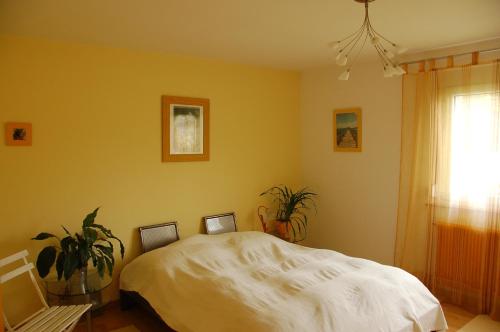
<point x="73" y="252"/>
<point x="290" y="211"/>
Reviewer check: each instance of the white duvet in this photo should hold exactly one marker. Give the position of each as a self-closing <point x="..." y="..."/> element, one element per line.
<point x="251" y="281"/>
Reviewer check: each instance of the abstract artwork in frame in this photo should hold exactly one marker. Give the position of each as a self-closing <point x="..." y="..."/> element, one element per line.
<point x="18" y="134"/>
<point x="185" y="129"/>
<point x="347" y="130"/>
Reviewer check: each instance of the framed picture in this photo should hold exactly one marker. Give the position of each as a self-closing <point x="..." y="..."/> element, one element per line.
<point x="347" y="130"/>
<point x="18" y="133"/>
<point x="185" y="129"/>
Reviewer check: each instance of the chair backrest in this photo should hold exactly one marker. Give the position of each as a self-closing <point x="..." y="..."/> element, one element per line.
<point x="25" y="268"/>
<point x="220" y="223"/>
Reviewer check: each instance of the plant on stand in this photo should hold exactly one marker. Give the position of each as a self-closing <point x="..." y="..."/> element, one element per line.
<point x="291" y="210"/>
<point x="73" y="252"/>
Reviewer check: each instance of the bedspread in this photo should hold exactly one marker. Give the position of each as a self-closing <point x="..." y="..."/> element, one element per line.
<point x="251" y="281"/>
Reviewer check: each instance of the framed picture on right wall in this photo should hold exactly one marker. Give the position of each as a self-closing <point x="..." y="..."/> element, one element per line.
<point x="347" y="130"/>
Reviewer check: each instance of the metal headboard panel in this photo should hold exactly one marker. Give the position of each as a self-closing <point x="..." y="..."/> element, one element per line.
<point x="157" y="236"/>
<point x="220" y="223"/>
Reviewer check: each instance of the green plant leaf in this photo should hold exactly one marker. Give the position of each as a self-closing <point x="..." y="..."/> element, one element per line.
<point x="103" y="229"/>
<point x="45" y="260"/>
<point x="66" y="230"/>
<point x="43" y="236"/>
<point x="110" y="235"/>
<point x="293" y="231"/>
<point x="68" y="243"/>
<point x="105" y="250"/>
<point x="100" y="266"/>
<point x="109" y="265"/>
<point x="94" y="258"/>
<point x="60" y="264"/>
<point x="70" y="265"/>
<point x="89" y="219"/>
<point x="90" y="235"/>
<point x="122" y="248"/>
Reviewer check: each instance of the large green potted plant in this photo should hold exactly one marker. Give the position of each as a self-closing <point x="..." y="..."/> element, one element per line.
<point x="72" y="253"/>
<point x="290" y="211"/>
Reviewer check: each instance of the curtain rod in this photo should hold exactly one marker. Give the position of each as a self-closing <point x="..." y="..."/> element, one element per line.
<point x="452" y="55"/>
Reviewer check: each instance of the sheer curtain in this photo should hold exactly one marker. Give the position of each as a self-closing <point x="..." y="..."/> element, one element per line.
<point x="448" y="230"/>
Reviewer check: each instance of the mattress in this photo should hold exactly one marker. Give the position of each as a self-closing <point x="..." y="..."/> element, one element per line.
<point x="252" y="281"/>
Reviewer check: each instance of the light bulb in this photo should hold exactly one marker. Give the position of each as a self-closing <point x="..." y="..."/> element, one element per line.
<point x="400" y="70"/>
<point x="345" y="75"/>
<point x="334" y="44"/>
<point x="394" y="70"/>
<point x="341" y="59"/>
<point x="400" y="49"/>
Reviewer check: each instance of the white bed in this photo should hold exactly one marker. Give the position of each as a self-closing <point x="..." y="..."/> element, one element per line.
<point x="251" y="281"/>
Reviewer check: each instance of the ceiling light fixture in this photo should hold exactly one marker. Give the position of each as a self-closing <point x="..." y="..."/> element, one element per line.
<point x="351" y="46"/>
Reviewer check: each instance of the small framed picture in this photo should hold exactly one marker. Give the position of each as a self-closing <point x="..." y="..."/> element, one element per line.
<point x="347" y="130"/>
<point x="18" y="133"/>
<point x="185" y="129"/>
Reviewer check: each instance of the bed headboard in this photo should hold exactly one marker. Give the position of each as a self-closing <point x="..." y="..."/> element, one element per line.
<point x="157" y="236"/>
<point x="220" y="223"/>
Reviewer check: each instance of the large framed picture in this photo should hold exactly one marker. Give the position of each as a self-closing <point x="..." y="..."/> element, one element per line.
<point x="347" y="130"/>
<point x="185" y="129"/>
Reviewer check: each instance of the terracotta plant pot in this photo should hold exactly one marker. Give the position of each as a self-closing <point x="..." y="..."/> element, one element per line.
<point x="283" y="229"/>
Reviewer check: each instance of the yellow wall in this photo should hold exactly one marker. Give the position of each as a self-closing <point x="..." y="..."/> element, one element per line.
<point x="97" y="140"/>
<point x="357" y="203"/>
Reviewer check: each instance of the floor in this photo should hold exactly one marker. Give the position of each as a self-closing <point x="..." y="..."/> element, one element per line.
<point x="456" y="317"/>
<point x="112" y="318"/>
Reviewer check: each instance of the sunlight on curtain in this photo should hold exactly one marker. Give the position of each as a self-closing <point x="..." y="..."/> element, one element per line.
<point x="448" y="231"/>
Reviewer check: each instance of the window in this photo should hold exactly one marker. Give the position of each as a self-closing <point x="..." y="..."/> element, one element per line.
<point x="475" y="149"/>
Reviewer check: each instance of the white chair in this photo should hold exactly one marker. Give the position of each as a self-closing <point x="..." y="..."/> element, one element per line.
<point x="47" y="319"/>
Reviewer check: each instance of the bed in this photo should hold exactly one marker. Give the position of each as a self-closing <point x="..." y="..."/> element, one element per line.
<point x="252" y="281"/>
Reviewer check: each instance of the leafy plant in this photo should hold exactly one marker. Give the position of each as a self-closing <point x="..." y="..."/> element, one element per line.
<point x="74" y="251"/>
<point x="291" y="208"/>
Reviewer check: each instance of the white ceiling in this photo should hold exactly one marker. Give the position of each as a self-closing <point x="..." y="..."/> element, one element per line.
<point x="278" y="33"/>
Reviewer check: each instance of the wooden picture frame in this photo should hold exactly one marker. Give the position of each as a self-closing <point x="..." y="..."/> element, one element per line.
<point x="18" y="133"/>
<point x="185" y="129"/>
<point x="347" y="130"/>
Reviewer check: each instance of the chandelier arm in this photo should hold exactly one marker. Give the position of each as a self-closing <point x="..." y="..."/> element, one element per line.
<point x="379" y="46"/>
<point x="379" y="34"/>
<point x="359" y="52"/>
<point x="355" y="39"/>
<point x="353" y="46"/>
<point x="384" y="57"/>
<point x="387" y="40"/>
<point x="352" y="34"/>
<point x="357" y="33"/>
<point x="370" y="31"/>
<point x="380" y="52"/>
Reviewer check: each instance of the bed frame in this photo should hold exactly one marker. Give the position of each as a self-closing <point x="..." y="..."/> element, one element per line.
<point x="161" y="235"/>
<point x="220" y="223"/>
<point x="152" y="237"/>
<point x="157" y="236"/>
